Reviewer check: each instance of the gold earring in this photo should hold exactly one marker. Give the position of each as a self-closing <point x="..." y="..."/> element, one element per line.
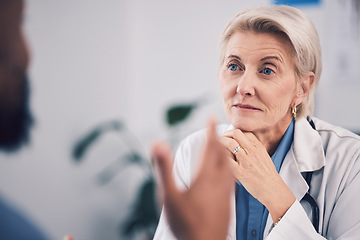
<point x="293" y="110"/>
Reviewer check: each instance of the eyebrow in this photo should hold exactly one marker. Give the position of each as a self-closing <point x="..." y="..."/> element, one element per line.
<point x="272" y="57"/>
<point x="234" y="56"/>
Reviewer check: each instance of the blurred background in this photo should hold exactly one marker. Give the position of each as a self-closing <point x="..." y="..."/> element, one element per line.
<point x="130" y="61"/>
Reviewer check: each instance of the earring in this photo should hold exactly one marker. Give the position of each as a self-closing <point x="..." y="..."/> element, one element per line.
<point x="293" y="110"/>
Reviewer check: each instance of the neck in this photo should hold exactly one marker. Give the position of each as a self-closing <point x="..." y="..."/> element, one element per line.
<point x="271" y="137"/>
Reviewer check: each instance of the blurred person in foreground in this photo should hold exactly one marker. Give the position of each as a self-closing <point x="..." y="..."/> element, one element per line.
<point x="16" y="121"/>
<point x="15" y="117"/>
<point x="296" y="176"/>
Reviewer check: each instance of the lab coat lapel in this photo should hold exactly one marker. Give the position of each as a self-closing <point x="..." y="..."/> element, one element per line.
<point x="305" y="155"/>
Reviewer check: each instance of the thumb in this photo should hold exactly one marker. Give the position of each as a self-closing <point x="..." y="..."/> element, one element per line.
<point x="162" y="159"/>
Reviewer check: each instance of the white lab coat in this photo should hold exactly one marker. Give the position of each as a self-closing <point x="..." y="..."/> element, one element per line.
<point x="331" y="153"/>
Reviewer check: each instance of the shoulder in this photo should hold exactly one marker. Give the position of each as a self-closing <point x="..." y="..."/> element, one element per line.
<point x="341" y="150"/>
<point x="188" y="154"/>
<point x="325" y="127"/>
<point x="337" y="137"/>
<point x="324" y="143"/>
<point x="11" y="220"/>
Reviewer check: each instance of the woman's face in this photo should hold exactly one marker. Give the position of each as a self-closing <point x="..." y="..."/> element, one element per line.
<point x="258" y="83"/>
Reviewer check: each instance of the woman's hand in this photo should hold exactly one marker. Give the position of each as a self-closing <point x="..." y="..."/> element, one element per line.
<point x="253" y="167"/>
<point x="202" y="211"/>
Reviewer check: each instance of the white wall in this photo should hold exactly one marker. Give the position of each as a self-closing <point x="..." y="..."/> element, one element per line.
<point x="100" y="60"/>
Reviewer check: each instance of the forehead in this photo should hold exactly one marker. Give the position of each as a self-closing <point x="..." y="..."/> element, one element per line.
<point x="249" y="44"/>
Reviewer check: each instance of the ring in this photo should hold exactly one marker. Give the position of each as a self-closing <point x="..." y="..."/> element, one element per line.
<point x="236" y="150"/>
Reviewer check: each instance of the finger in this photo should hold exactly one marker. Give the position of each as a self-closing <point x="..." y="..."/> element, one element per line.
<point x="238" y="158"/>
<point x="240" y="137"/>
<point x="252" y="138"/>
<point x="215" y="155"/>
<point x="229" y="143"/>
<point x="211" y="131"/>
<point x="162" y="158"/>
<point x="213" y="147"/>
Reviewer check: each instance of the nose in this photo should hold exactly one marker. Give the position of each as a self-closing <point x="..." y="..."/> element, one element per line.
<point x="245" y="86"/>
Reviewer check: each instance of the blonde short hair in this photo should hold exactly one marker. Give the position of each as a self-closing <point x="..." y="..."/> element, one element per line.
<point x="297" y="28"/>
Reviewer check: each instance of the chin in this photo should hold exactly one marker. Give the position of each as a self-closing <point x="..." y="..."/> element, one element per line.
<point x="247" y="125"/>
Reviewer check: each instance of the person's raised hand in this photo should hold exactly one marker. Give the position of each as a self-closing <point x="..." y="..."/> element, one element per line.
<point x="203" y="210"/>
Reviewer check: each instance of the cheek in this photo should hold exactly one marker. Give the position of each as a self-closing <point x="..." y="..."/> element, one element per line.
<point x="278" y="100"/>
<point x="222" y="85"/>
<point x="226" y="87"/>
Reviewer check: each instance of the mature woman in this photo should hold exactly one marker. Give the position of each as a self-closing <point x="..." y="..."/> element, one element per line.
<point x="296" y="176"/>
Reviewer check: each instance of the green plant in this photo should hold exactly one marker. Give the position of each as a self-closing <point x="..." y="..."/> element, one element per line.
<point x="144" y="214"/>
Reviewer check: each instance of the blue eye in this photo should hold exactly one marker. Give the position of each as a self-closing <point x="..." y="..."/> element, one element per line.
<point x="233" y="67"/>
<point x="267" y="71"/>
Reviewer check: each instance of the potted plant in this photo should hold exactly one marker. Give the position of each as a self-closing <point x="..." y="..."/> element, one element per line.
<point x="144" y="214"/>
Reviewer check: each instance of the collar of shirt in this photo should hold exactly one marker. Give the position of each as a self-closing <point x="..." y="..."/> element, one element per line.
<point x="284" y="146"/>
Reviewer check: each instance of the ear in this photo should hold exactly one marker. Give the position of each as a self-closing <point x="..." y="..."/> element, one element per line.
<point x="304" y="88"/>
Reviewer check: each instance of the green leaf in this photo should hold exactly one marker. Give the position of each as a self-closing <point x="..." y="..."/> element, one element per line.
<point x="119" y="164"/>
<point x="83" y="144"/>
<point x="145" y="213"/>
<point x="89" y="139"/>
<point x="178" y="113"/>
<point x="134" y="157"/>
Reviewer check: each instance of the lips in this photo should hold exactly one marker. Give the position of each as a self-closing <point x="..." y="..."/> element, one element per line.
<point x="246" y="107"/>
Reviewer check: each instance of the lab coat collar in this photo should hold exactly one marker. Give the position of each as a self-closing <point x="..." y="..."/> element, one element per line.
<point x="308" y="149"/>
<point x="305" y="155"/>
